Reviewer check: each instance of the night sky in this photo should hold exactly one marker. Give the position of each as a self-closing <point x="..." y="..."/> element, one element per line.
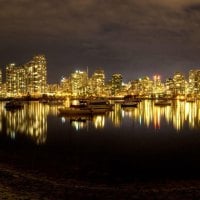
<point x="132" y="37"/>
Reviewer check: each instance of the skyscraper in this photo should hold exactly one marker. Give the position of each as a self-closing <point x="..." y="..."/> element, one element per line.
<point x="36" y="75"/>
<point x="79" y="80"/>
<point x="98" y="83"/>
<point x="30" y="78"/>
<point x="194" y="81"/>
<point x="15" y="80"/>
<point x="179" y="83"/>
<point x="116" y="83"/>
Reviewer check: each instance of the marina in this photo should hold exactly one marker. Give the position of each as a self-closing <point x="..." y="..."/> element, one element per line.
<point x="179" y="116"/>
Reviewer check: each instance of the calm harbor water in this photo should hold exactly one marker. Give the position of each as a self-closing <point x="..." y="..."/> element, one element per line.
<point x="147" y="141"/>
<point x="42" y="123"/>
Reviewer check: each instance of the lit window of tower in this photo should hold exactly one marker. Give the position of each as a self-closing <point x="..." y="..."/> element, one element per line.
<point x="36" y="73"/>
<point x="98" y="82"/>
<point x="79" y="80"/>
<point x="116" y="83"/>
<point x="194" y="81"/>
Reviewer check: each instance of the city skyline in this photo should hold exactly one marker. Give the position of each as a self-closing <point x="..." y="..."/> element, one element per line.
<point x="30" y="79"/>
<point x="130" y="37"/>
<point x="163" y="77"/>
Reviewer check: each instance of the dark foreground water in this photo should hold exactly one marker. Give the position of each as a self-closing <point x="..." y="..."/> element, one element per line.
<point x="146" y="142"/>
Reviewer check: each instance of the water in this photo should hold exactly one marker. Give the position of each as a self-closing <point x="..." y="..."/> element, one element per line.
<point x="42" y="122"/>
<point x="149" y="140"/>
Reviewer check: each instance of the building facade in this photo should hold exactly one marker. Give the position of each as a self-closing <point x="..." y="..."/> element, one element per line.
<point x="194" y="82"/>
<point x="79" y="83"/>
<point x="116" y="83"/>
<point x="97" y="83"/>
<point x="31" y="78"/>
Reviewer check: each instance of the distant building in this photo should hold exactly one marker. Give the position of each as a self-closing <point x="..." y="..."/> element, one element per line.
<point x="158" y="87"/>
<point x="169" y="86"/>
<point x="179" y="83"/>
<point x="116" y="83"/>
<point x="194" y="82"/>
<point x="30" y="78"/>
<point x="97" y="83"/>
<point x="65" y="86"/>
<point x="135" y="87"/>
<point x="53" y="89"/>
<point x="79" y="80"/>
<point x="15" y="80"/>
<point x="146" y="86"/>
<point x="36" y="75"/>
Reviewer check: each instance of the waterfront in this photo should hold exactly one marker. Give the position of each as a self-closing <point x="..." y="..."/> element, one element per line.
<point x="40" y="122"/>
<point x="128" y="146"/>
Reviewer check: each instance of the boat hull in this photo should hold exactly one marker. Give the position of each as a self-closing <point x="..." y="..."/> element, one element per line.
<point x="74" y="111"/>
<point x="133" y="104"/>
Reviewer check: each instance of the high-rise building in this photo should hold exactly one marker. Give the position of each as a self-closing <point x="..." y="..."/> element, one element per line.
<point x="194" y="82"/>
<point x="158" y="87"/>
<point x="179" y="83"/>
<point x="30" y="78"/>
<point x="65" y="86"/>
<point x="135" y="87"/>
<point x="10" y="77"/>
<point x="116" y="83"/>
<point x="36" y="75"/>
<point x="146" y="86"/>
<point x="169" y="86"/>
<point x="97" y="83"/>
<point x="79" y="82"/>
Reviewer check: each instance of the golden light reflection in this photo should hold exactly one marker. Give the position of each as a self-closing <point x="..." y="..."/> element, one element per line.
<point x="179" y="114"/>
<point x="99" y="121"/>
<point x="78" y="125"/>
<point x="31" y="120"/>
<point x="116" y="116"/>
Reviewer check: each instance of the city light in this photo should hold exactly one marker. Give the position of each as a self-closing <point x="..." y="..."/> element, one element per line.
<point x="30" y="79"/>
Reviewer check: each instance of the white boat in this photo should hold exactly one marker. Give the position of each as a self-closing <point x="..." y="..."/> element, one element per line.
<point x="162" y="103"/>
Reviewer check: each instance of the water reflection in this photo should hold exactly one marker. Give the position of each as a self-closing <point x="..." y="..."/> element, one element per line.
<point x="32" y="120"/>
<point x="179" y="114"/>
<point x="116" y="116"/>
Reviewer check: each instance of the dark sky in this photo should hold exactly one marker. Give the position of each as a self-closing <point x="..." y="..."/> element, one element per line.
<point x="132" y="37"/>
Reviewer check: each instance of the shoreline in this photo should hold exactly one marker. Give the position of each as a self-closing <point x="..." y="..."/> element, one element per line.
<point x="18" y="184"/>
<point x="34" y="175"/>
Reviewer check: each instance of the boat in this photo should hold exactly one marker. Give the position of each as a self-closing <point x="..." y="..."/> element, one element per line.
<point x="79" y="118"/>
<point x="13" y="105"/>
<point x="132" y="98"/>
<point x="129" y="104"/>
<point x="190" y="100"/>
<point x="51" y="102"/>
<point x="162" y="103"/>
<point x="98" y="104"/>
<point x="70" y="111"/>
